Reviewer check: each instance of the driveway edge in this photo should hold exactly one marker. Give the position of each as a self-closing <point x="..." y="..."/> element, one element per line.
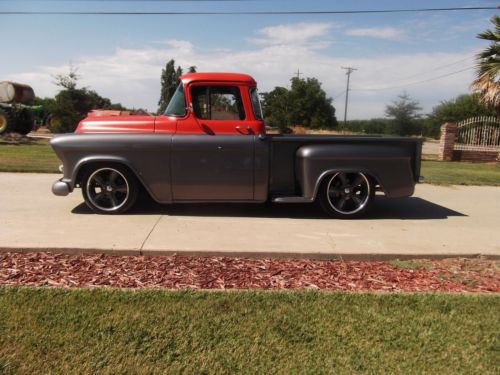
<point x="254" y="254"/>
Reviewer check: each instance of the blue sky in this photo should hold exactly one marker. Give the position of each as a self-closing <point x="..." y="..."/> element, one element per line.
<point x="122" y="56"/>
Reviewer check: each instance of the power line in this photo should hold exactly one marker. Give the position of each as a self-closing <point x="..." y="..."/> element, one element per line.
<point x="249" y="13"/>
<point x="338" y="95"/>
<point x="414" y="83"/>
<point x="439" y="67"/>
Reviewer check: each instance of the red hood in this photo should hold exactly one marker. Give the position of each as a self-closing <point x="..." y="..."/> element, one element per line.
<point x="117" y="124"/>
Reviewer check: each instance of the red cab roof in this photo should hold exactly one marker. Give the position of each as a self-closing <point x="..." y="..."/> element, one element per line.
<point x="222" y="77"/>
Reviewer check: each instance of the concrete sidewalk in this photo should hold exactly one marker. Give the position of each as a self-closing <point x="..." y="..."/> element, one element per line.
<point x="438" y="221"/>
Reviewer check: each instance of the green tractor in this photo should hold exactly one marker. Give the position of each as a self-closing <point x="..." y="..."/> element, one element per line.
<point x="17" y="112"/>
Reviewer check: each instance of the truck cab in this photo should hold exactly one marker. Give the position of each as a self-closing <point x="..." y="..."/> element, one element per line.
<point x="203" y="103"/>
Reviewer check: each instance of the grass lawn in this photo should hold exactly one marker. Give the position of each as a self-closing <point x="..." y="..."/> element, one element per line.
<point x="460" y="173"/>
<point x="51" y="330"/>
<point x="39" y="157"/>
<point x="34" y="157"/>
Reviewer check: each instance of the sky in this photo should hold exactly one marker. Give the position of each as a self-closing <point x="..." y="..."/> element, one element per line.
<point x="429" y="56"/>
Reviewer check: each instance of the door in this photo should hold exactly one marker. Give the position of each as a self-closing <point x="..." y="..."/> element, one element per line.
<point x="212" y="168"/>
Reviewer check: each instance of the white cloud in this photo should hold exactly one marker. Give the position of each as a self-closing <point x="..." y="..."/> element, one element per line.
<point x="295" y="34"/>
<point x="377" y="32"/>
<point x="132" y="76"/>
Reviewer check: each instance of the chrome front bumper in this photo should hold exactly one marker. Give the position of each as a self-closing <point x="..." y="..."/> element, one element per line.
<point x="61" y="188"/>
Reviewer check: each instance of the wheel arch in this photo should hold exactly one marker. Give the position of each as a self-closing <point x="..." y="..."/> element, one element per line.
<point x="93" y="162"/>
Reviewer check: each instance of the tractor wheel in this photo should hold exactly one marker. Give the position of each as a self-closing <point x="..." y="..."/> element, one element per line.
<point x="5" y="121"/>
<point x="52" y="121"/>
<point x="25" y="122"/>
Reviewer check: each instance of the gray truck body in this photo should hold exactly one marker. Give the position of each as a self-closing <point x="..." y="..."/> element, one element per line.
<point x="241" y="168"/>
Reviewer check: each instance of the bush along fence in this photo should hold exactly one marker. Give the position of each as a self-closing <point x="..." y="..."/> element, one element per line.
<point x="476" y="139"/>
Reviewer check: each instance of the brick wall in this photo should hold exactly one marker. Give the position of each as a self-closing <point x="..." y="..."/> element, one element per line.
<point x="447" y="141"/>
<point x="476" y="156"/>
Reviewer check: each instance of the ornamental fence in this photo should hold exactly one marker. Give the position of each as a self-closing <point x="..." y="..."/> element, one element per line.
<point x="474" y="139"/>
<point x="478" y="134"/>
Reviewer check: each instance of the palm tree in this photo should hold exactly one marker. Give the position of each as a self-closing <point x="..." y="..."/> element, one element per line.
<point x="488" y="67"/>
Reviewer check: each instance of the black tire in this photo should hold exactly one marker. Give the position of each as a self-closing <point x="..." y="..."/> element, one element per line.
<point x="109" y="189"/>
<point x="346" y="195"/>
<point x="5" y="122"/>
<point x="25" y="122"/>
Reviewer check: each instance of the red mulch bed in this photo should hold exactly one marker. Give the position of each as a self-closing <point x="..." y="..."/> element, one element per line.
<point x="179" y="272"/>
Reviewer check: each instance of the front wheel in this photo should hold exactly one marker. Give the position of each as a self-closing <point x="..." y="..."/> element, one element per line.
<point x="346" y="195"/>
<point x="109" y="190"/>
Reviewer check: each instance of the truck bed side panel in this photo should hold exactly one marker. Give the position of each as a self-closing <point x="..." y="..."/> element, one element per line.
<point x="298" y="162"/>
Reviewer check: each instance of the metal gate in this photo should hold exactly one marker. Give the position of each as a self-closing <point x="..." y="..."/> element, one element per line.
<point x="478" y="134"/>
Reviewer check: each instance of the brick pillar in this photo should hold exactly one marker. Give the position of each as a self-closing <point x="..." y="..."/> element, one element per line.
<point x="447" y="141"/>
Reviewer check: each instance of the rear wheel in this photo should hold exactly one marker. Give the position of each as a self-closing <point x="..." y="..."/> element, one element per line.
<point x="109" y="190"/>
<point x="5" y="121"/>
<point x="25" y="122"/>
<point x="346" y="194"/>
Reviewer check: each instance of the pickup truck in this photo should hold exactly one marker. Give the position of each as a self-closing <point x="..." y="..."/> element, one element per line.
<point x="211" y="145"/>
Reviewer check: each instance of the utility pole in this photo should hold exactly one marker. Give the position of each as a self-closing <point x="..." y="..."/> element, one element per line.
<point x="298" y="73"/>
<point x="348" y="73"/>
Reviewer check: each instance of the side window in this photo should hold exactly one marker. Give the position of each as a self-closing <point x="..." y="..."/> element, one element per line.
<point x="217" y="103"/>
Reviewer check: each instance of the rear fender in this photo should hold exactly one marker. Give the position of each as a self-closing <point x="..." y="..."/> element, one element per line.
<point x="388" y="163"/>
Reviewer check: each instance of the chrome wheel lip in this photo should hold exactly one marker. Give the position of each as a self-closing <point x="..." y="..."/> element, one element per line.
<point x="108" y="209"/>
<point x="363" y="203"/>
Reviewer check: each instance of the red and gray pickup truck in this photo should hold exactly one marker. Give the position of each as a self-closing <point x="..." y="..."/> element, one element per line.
<point x="211" y="145"/>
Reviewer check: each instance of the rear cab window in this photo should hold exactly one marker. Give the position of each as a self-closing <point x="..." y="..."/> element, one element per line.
<point x="256" y="106"/>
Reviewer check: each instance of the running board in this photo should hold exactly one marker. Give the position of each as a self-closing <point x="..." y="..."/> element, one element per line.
<point x="292" y="200"/>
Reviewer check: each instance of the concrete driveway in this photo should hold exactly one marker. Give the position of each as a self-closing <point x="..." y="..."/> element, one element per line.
<point x="437" y="221"/>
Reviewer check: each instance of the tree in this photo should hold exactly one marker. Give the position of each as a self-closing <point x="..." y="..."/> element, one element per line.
<point x="404" y="112"/>
<point x="460" y="108"/>
<point x="305" y="104"/>
<point x="277" y="107"/>
<point x="72" y="104"/>
<point x="68" y="81"/>
<point x="488" y="69"/>
<point x="311" y="107"/>
<point x="169" y="80"/>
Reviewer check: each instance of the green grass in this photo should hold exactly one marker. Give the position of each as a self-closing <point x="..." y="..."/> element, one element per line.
<point x="460" y="173"/>
<point x="35" y="157"/>
<point x="408" y="264"/>
<point x="39" y="157"/>
<point x="117" y="331"/>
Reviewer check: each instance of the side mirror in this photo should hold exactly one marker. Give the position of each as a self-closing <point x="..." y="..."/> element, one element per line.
<point x="190" y="107"/>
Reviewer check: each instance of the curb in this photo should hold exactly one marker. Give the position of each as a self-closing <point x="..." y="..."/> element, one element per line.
<point x="253" y="254"/>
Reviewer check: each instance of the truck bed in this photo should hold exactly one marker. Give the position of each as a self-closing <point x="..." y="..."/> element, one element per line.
<point x="284" y="176"/>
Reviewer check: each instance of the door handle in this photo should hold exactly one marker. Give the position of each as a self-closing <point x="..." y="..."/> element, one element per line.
<point x="244" y="129"/>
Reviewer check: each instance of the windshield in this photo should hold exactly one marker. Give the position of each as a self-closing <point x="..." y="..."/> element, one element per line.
<point x="257" y="109"/>
<point x="177" y="104"/>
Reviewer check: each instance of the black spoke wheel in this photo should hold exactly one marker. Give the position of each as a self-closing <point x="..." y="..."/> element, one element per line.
<point x="346" y="194"/>
<point x="109" y="190"/>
